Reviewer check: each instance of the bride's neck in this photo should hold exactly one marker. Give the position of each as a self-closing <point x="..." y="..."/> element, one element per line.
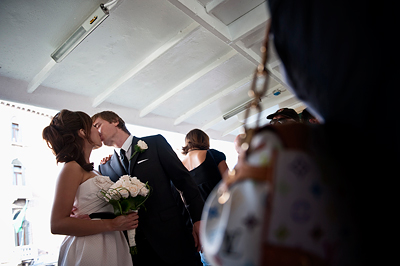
<point x="86" y="155"/>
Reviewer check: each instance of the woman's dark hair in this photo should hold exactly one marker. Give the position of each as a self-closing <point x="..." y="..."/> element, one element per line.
<point x="62" y="137"/>
<point x="111" y="117"/>
<point x="196" y="139"/>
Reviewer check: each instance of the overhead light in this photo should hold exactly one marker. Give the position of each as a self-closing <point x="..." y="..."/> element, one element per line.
<point x="237" y="110"/>
<point x="94" y="20"/>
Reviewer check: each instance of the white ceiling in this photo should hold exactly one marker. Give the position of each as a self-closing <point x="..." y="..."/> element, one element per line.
<point x="173" y="65"/>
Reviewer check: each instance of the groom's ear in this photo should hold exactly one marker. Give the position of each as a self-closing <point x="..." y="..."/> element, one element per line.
<point x="115" y="123"/>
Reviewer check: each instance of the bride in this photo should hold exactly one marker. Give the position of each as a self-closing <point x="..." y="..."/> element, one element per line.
<point x="72" y="137"/>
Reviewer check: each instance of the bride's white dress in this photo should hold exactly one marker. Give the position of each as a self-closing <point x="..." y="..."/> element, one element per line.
<point x="109" y="248"/>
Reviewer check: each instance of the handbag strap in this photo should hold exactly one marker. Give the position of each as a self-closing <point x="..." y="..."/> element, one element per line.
<point x="244" y="171"/>
<point x="258" y="87"/>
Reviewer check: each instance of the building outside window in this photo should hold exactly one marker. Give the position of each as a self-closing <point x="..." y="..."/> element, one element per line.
<point x="30" y="173"/>
<point x="15" y="133"/>
<point x="21" y="224"/>
<point x="18" y="179"/>
<point x="18" y="175"/>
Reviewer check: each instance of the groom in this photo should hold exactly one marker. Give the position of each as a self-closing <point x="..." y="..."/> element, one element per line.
<point x="161" y="238"/>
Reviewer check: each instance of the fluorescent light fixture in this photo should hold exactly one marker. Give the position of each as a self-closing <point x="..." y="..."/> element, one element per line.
<point x="94" y="20"/>
<point x="237" y="110"/>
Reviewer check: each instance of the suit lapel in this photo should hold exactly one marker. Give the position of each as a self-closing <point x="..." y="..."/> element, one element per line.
<point x="116" y="165"/>
<point x="132" y="162"/>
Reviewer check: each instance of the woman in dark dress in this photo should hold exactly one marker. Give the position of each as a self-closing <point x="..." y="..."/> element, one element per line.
<point x="205" y="165"/>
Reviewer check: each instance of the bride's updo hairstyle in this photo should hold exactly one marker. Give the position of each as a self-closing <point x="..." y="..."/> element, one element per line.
<point x="62" y="137"/>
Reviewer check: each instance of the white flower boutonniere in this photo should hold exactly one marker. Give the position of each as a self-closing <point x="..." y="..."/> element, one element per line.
<point x="141" y="147"/>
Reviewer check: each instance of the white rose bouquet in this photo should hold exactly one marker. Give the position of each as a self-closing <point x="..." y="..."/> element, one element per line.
<point x="125" y="195"/>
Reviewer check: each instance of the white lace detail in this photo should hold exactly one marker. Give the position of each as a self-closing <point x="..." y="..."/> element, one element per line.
<point x="103" y="182"/>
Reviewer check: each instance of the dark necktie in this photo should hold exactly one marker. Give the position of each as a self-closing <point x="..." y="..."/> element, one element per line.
<point x="124" y="160"/>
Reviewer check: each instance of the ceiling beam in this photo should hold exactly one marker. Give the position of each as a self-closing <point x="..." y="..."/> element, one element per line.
<point x="217" y="96"/>
<point x="233" y="128"/>
<point x="147" y="61"/>
<point x="249" y="22"/>
<point x="256" y="59"/>
<point x="198" y="13"/>
<point x="233" y="34"/>
<point x="212" y="122"/>
<point x="150" y="107"/>
<point x="41" y="76"/>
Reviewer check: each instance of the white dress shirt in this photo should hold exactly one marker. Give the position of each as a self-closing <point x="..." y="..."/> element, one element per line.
<point x="127" y="146"/>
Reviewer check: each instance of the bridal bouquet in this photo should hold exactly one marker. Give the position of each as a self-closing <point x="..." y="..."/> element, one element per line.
<point x="125" y="195"/>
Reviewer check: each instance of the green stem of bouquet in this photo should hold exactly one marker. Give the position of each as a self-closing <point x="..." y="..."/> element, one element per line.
<point x="133" y="250"/>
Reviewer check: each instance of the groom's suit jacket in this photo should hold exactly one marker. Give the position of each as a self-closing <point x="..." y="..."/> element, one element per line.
<point x="162" y="222"/>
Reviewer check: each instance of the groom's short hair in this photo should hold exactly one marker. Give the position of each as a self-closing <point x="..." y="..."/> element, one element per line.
<point x="111" y="117"/>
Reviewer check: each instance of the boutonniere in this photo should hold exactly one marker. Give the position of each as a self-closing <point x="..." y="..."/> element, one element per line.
<point x="141" y="147"/>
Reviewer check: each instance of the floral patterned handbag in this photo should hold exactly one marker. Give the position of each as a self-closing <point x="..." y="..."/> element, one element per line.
<point x="276" y="207"/>
<point x="272" y="210"/>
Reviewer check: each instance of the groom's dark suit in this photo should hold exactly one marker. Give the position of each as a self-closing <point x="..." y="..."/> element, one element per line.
<point x="161" y="224"/>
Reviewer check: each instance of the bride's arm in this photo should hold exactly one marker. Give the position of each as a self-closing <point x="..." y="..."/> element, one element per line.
<point x="68" y="182"/>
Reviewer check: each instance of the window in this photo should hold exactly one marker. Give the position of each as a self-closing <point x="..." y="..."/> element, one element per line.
<point x="22" y="238"/>
<point x="18" y="179"/>
<point x="21" y="227"/>
<point x="15" y="132"/>
<point x="18" y="174"/>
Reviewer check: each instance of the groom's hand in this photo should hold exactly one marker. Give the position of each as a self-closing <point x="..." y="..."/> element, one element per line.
<point x="196" y="235"/>
<point x="105" y="159"/>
